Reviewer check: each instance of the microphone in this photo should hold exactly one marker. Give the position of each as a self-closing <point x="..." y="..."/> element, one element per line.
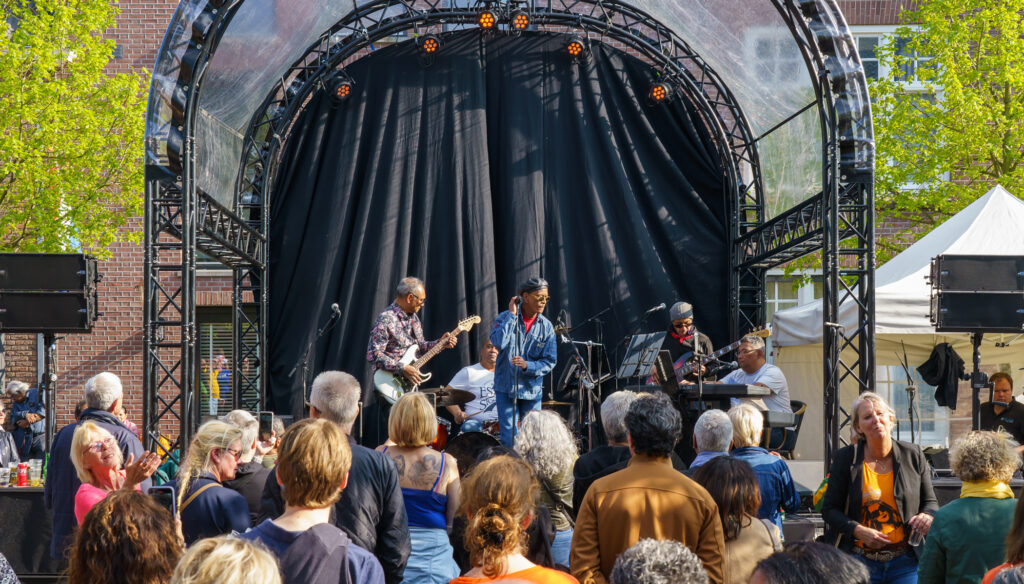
<point x="518" y="300"/>
<point x="560" y="330"/>
<point x="336" y="309"/>
<point x="655" y="309"/>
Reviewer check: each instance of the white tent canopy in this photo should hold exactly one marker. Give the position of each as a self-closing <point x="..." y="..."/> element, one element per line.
<point x="989" y="226"/>
<point x="992" y="225"/>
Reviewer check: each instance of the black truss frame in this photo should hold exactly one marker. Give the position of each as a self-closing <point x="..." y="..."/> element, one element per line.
<point x="181" y="219"/>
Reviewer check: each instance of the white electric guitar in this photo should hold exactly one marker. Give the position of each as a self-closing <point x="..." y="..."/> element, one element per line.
<point x="391" y="386"/>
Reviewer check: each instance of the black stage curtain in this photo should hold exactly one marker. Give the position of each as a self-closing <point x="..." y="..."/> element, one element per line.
<point x="500" y="160"/>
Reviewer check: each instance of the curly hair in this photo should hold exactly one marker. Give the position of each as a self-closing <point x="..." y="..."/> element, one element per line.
<point x="546" y="443"/>
<point x="496" y="499"/>
<point x="984" y="456"/>
<point x="654" y="424"/>
<point x="227" y="560"/>
<point x="731" y="482"/>
<point x="125" y="538"/>
<point x="651" y="561"/>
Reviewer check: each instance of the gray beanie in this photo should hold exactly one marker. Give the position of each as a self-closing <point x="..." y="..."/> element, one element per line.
<point x="680" y="310"/>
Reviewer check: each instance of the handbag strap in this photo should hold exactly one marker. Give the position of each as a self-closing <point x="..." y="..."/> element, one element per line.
<point x="193" y="496"/>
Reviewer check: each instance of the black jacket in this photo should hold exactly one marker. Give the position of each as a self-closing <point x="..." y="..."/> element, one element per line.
<point x="912" y="489"/>
<point x="249" y="481"/>
<point x="371" y="510"/>
<point x="944" y="369"/>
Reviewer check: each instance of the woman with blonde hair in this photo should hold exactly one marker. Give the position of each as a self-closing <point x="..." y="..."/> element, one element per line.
<point x="968" y="536"/>
<point x="879" y="494"/>
<point x="430" y="488"/>
<point x="498" y="503"/>
<point x="545" y="442"/>
<point x="97" y="459"/>
<point x="208" y="508"/>
<point x="227" y="560"/>
<point x="126" y="538"/>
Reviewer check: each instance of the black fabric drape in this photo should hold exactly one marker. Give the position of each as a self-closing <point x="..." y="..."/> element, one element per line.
<point x="501" y="160"/>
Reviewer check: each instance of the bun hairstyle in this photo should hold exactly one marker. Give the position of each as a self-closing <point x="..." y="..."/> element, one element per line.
<point x="497" y="497"/>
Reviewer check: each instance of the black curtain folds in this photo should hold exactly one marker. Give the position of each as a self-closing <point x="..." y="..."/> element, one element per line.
<point x="502" y="159"/>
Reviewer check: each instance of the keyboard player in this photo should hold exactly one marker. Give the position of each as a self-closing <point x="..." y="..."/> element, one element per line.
<point x="755" y="370"/>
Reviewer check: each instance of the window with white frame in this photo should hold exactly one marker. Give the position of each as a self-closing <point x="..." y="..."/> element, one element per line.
<point x="782" y="291"/>
<point x="931" y="421"/>
<point x="776" y="57"/>
<point x="869" y="38"/>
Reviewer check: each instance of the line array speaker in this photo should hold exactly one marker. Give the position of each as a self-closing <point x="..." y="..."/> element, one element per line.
<point x="977" y="294"/>
<point x="48" y="293"/>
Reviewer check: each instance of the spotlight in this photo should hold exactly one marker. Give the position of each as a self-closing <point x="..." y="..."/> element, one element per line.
<point x="428" y="44"/>
<point x="487" y="18"/>
<point x="576" y="47"/>
<point x="520" y="20"/>
<point x="660" y="92"/>
<point x="340" y="86"/>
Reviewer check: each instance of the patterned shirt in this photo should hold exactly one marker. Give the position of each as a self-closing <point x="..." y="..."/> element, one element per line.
<point x="393" y="332"/>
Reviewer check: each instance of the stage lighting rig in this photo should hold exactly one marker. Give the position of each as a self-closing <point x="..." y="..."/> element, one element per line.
<point x="519" y="20"/>
<point x="660" y="92"/>
<point x="429" y="44"/>
<point x="341" y="87"/>
<point x="488" y="18"/>
<point x="577" y="48"/>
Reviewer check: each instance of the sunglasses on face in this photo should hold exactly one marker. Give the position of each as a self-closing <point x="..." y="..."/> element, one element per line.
<point x="100" y="444"/>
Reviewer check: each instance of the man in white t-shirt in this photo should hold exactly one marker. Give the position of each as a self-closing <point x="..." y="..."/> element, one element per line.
<point x="479" y="380"/>
<point x="755" y="370"/>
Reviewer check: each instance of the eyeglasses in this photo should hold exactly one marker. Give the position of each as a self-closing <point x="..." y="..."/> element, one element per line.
<point x="746" y="351"/>
<point x="542" y="298"/>
<point x="421" y="301"/>
<point x="234" y="453"/>
<point x="99" y="444"/>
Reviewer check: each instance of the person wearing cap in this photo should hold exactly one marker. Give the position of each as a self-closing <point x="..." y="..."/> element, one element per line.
<point x="527" y="351"/>
<point x="683" y="336"/>
<point x="27" y="413"/>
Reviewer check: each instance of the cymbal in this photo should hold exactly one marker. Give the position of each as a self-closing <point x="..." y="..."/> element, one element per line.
<point x="553" y="403"/>
<point x="450" y="397"/>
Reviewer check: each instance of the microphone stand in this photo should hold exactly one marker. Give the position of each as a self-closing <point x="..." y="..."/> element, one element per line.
<point x="515" y="373"/>
<point x="304" y="362"/>
<point x="587" y="383"/>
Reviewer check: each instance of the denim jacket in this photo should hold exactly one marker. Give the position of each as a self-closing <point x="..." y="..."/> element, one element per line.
<point x="31" y="405"/>
<point x="536" y="347"/>
<point x="777" y="486"/>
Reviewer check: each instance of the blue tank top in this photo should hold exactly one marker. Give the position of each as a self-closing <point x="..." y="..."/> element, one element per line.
<point x="426" y="508"/>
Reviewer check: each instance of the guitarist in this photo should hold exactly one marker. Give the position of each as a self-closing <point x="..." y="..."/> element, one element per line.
<point x="398" y="328"/>
<point x="526" y="353"/>
<point x="682" y="335"/>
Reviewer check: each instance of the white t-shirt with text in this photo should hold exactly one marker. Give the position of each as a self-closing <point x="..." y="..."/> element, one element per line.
<point x="480" y="382"/>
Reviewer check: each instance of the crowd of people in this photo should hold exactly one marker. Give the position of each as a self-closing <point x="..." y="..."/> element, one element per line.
<point x="331" y="510"/>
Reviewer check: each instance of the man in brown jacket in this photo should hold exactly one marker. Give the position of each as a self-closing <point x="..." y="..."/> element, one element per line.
<point x="647" y="499"/>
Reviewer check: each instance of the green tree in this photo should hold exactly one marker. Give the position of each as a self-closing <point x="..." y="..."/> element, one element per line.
<point x="71" y="134"/>
<point x="962" y="133"/>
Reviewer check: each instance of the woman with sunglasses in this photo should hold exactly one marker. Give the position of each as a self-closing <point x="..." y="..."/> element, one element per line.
<point x="97" y="459"/>
<point x="208" y="508"/>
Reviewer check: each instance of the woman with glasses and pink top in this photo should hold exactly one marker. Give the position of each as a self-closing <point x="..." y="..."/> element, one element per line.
<point x="98" y="459"/>
<point x="206" y="507"/>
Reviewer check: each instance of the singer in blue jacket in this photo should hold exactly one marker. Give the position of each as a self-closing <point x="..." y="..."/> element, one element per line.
<point x="526" y="353"/>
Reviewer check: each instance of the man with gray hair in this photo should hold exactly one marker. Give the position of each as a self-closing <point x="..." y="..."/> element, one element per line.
<point x="371" y="510"/>
<point x="712" y="436"/>
<point x="396" y="329"/>
<point x="653" y="561"/>
<point x="606" y="459"/>
<point x="755" y="370"/>
<point x="647" y="499"/>
<point x="250" y="476"/>
<point x="103" y="397"/>
<point x="27" y="413"/>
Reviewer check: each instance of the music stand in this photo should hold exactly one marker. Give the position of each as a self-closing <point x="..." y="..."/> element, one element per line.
<point x="665" y="373"/>
<point x="641" y="355"/>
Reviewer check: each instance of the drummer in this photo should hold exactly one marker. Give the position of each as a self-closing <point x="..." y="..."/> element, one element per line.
<point x="478" y="379"/>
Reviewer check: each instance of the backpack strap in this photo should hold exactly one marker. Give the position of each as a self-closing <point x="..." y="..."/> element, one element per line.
<point x="195" y="494"/>
<point x="773" y="533"/>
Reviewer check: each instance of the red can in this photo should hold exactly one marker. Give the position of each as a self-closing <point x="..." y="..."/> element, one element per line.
<point x="23" y="474"/>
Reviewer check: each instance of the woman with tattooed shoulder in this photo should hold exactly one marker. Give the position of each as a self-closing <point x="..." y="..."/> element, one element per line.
<point x="430" y="487"/>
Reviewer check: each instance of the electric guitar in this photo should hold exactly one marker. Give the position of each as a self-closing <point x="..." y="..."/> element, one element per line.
<point x="684" y="366"/>
<point x="391" y="386"/>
